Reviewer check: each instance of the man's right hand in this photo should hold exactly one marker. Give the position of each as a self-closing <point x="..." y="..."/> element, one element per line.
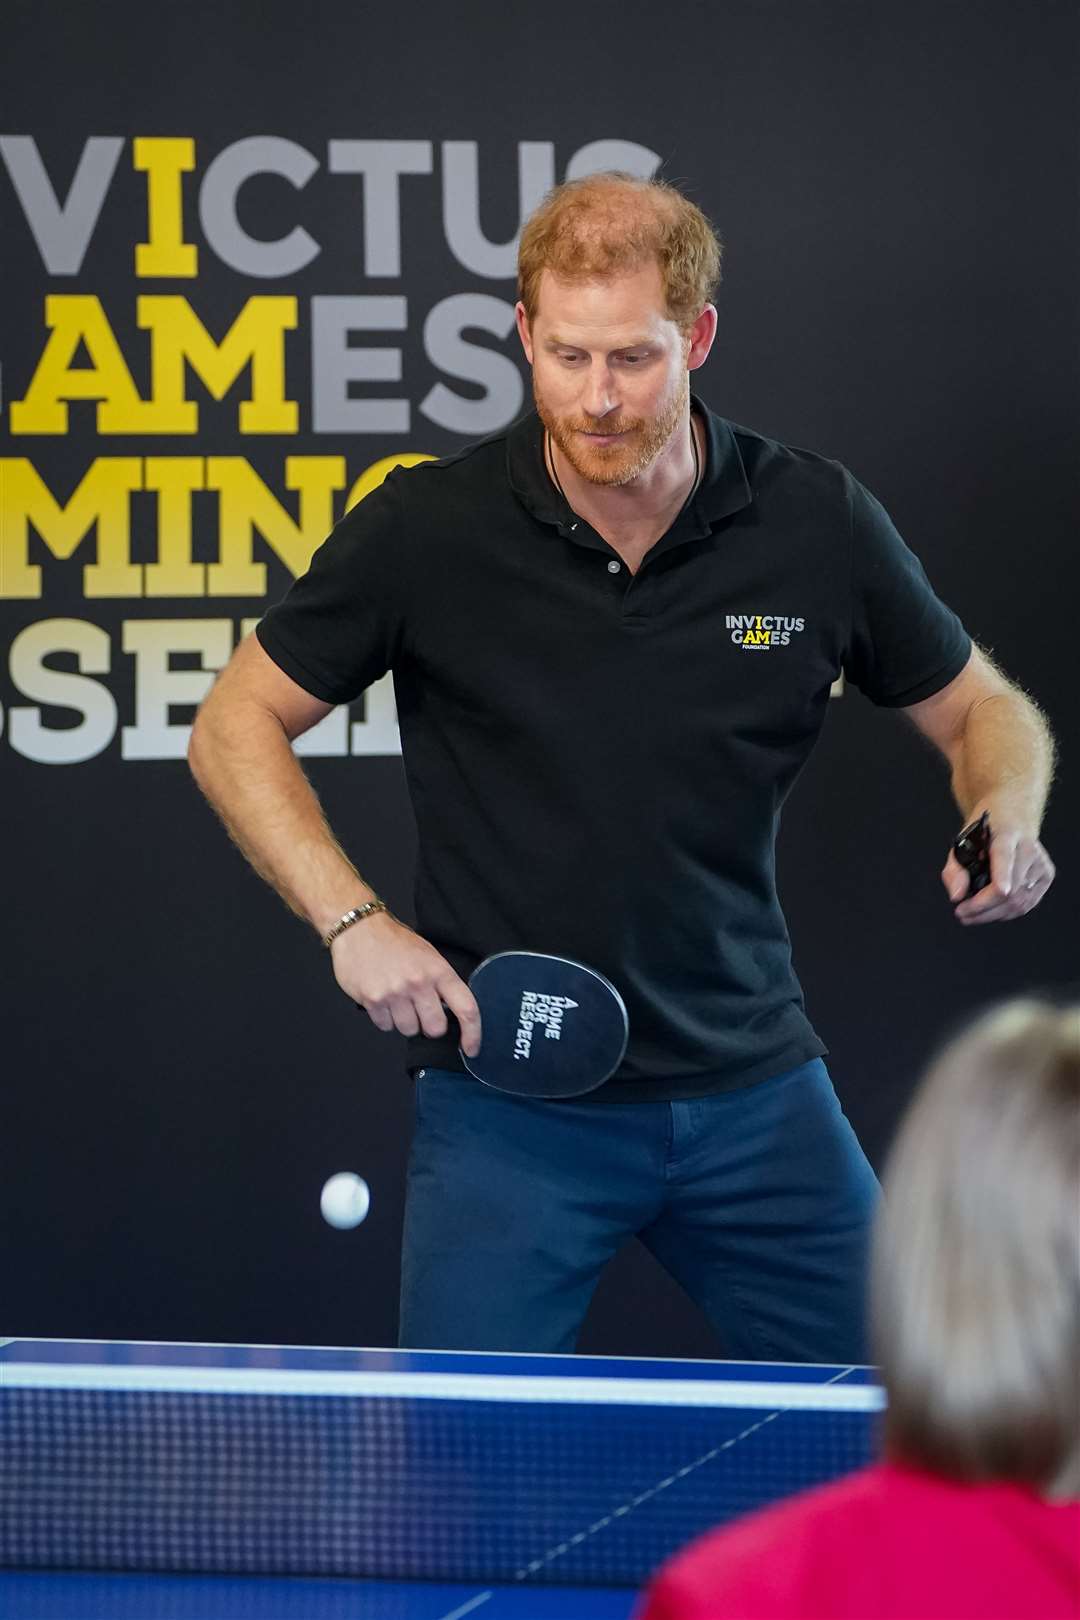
<point x="402" y="982"/>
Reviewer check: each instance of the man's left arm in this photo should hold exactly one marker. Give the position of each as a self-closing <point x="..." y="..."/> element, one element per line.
<point x="1001" y="756"/>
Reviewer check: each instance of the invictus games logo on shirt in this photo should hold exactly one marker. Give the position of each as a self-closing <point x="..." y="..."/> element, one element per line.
<point x="759" y="631"/>
<point x="539" y="1010"/>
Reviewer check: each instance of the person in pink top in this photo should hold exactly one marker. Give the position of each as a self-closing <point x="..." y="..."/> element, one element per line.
<point x="974" y="1509"/>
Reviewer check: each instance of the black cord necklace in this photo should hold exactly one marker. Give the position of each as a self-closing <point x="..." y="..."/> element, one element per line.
<point x="691" y="492"/>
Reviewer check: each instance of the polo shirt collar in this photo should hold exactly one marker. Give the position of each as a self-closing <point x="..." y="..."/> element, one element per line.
<point x="724" y="486"/>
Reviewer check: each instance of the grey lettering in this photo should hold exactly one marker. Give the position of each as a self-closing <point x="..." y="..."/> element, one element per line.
<point x="62" y="231"/>
<point x="625" y="155"/>
<point x="258" y="154"/>
<point x="381" y="163"/>
<point x="461" y="204"/>
<point x="90" y="700"/>
<point x="447" y="349"/>
<point x="334" y="365"/>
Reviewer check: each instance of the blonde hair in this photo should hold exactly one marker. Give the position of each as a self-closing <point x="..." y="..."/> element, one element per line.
<point x="976" y="1269"/>
<point x="611" y="224"/>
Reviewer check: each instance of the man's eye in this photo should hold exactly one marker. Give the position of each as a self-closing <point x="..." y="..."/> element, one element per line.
<point x="634" y="359"/>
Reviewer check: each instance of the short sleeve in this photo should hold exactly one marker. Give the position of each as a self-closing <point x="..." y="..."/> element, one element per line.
<point x="339" y="626"/>
<point x="904" y="644"/>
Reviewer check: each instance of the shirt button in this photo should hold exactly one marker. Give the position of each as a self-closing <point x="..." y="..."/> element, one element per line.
<point x="613" y="567"/>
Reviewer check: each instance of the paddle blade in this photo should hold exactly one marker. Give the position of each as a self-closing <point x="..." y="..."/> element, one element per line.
<point x="551" y="1027"/>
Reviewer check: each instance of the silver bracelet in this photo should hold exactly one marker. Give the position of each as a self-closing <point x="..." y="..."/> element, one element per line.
<point x="357" y="914"/>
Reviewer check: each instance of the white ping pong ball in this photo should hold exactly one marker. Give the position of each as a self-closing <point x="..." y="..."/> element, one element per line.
<point x="344" y="1200"/>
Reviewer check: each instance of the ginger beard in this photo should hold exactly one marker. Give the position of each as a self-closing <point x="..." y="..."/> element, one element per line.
<point x="614" y="465"/>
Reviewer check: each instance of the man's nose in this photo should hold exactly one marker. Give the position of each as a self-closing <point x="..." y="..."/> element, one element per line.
<point x="601" y="396"/>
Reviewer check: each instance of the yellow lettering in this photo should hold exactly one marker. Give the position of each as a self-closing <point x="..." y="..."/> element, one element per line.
<point x="164" y="160"/>
<point x="374" y="475"/>
<point x="247" y="505"/>
<point x="178" y="338"/>
<point x="256" y="338"/>
<point x="74" y="319"/>
<point x="103" y="499"/>
<point x="175" y="479"/>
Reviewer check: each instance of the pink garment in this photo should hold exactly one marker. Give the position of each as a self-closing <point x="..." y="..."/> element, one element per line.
<point x="886" y="1543"/>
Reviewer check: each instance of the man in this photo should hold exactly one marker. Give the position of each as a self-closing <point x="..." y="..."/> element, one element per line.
<point x="613" y="630"/>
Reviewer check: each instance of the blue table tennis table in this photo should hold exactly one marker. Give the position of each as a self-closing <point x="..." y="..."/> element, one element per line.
<point x="193" y="1482"/>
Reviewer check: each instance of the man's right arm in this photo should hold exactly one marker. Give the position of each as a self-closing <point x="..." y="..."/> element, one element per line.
<point x="242" y="758"/>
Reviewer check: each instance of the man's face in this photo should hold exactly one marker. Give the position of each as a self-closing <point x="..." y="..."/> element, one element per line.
<point x="610" y="371"/>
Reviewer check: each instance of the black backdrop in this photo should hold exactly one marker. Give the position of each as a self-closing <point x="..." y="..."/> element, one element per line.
<point x="895" y="189"/>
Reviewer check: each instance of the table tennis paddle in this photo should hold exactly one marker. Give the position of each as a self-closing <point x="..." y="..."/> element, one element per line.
<point x="551" y="1027"/>
<point x="972" y="850"/>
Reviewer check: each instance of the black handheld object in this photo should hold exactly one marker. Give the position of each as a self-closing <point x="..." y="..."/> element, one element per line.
<point x="550" y="1027"/>
<point x="972" y="850"/>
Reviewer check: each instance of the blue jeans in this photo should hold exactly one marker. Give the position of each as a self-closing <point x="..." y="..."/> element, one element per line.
<point x="758" y="1202"/>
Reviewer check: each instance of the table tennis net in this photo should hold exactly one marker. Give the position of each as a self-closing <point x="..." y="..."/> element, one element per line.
<point x="398" y="1485"/>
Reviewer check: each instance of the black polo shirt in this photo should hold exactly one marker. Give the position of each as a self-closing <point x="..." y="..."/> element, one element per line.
<point x="596" y="760"/>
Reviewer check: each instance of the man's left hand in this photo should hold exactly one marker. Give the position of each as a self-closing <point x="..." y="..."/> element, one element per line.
<point x="1020" y="874"/>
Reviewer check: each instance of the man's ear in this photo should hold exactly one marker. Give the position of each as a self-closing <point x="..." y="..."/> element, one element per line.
<point x="701" y="336"/>
<point x="523" y="330"/>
